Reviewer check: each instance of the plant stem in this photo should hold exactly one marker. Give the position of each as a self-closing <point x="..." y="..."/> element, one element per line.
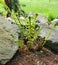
<point x="48" y="34"/>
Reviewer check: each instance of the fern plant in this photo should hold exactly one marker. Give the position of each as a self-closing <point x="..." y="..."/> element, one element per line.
<point x="29" y="31"/>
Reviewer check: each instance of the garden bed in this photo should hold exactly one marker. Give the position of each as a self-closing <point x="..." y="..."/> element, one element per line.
<point x="34" y="58"/>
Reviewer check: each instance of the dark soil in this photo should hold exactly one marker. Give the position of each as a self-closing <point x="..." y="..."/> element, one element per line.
<point x="34" y="58"/>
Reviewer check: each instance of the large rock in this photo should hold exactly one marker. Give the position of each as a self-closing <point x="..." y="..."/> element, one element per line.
<point x="41" y="19"/>
<point x="52" y="41"/>
<point x="56" y="21"/>
<point x="8" y="37"/>
<point x="31" y="14"/>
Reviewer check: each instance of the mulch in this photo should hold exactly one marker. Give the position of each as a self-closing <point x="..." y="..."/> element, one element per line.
<point x="45" y="57"/>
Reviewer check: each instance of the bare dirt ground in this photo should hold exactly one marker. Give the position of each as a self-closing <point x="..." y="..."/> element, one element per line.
<point x="34" y="58"/>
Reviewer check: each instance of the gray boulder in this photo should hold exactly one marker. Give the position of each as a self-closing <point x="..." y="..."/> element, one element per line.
<point x="8" y="37"/>
<point x="55" y="20"/>
<point x="31" y="14"/>
<point x="52" y="41"/>
<point x="41" y="19"/>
